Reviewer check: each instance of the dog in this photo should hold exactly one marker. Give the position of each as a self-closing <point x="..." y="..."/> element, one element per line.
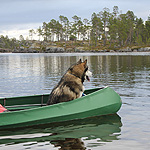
<point x="70" y="86"/>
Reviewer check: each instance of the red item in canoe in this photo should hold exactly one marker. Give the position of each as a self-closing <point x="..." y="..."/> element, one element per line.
<point x="2" y="109"/>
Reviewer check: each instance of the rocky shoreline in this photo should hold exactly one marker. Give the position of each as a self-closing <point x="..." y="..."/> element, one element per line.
<point x="72" y="50"/>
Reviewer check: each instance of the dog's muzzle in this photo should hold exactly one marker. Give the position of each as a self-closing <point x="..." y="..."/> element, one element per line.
<point x="88" y="74"/>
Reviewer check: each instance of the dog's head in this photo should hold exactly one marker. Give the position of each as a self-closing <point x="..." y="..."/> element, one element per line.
<point x="80" y="70"/>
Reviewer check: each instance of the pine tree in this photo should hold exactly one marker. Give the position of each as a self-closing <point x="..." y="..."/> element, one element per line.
<point x="147" y="26"/>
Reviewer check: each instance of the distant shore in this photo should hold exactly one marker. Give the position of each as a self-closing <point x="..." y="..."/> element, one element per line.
<point x="71" y="50"/>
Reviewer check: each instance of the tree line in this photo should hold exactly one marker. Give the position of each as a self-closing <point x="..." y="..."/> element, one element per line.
<point x="108" y="29"/>
<point x="113" y="28"/>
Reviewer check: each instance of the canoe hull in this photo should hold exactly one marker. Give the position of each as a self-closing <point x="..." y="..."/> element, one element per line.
<point x="101" y="102"/>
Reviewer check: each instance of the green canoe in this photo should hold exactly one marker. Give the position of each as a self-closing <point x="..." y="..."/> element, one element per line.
<point x="32" y="110"/>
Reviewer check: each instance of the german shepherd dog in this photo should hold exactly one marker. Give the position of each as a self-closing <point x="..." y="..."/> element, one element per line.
<point x="70" y="86"/>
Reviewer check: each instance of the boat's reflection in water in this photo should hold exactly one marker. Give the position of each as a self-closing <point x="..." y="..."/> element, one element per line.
<point x="67" y="135"/>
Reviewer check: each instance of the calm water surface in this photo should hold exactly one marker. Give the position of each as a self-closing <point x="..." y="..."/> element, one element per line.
<point x="128" y="74"/>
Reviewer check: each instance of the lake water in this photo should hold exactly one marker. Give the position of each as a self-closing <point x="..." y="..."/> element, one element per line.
<point x="127" y="73"/>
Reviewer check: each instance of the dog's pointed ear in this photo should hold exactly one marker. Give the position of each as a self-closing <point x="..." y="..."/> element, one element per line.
<point x="79" y="62"/>
<point x="85" y="62"/>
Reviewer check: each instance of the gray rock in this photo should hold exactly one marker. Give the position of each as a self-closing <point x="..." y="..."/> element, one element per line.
<point x="69" y="50"/>
<point x="54" y="50"/>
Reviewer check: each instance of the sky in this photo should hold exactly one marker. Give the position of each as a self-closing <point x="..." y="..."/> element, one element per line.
<point x="17" y="17"/>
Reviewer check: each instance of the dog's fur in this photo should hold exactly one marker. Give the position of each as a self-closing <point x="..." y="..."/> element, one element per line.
<point x="70" y="86"/>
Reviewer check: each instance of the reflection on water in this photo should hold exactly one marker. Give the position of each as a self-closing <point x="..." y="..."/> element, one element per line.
<point x="26" y="74"/>
<point x="69" y="143"/>
<point x="128" y="74"/>
<point x="67" y="135"/>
